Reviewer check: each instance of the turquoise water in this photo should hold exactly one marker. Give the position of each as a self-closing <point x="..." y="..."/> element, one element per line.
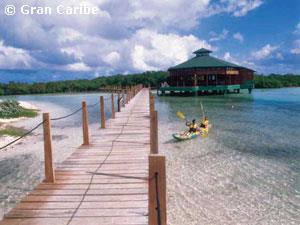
<point x="247" y="171"/>
<point x="71" y="102"/>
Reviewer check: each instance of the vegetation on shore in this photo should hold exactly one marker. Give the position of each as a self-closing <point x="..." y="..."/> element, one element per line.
<point x="152" y="78"/>
<point x="12" y="131"/>
<point x="277" y="81"/>
<point x="146" y="78"/>
<point x="12" y="109"/>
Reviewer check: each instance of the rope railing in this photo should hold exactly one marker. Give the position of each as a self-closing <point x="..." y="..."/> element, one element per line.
<point x="21" y="137"/>
<point x="46" y="122"/>
<point x="69" y="115"/>
<point x="53" y="119"/>
<point x="157" y="174"/>
<point x="38" y="125"/>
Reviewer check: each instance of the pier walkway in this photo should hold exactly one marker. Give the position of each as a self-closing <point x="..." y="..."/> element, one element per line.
<point x="103" y="183"/>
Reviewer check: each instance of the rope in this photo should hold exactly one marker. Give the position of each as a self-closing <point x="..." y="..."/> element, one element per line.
<point x="122" y="176"/>
<point x="53" y="119"/>
<point x="24" y="135"/>
<point x="93" y="105"/>
<point x="64" y="117"/>
<point x="157" y="199"/>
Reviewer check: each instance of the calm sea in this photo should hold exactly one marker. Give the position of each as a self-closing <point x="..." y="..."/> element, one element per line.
<point x="246" y="172"/>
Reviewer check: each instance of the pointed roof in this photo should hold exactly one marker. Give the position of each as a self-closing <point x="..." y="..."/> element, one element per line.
<point x="204" y="60"/>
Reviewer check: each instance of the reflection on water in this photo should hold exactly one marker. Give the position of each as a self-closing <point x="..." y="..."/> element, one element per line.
<point x="247" y="171"/>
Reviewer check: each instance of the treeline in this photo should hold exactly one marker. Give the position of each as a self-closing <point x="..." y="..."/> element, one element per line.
<point x="146" y="78"/>
<point x="152" y="78"/>
<point x="277" y="81"/>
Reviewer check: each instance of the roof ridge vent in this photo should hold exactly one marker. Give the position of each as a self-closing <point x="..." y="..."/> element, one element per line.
<point x="202" y="52"/>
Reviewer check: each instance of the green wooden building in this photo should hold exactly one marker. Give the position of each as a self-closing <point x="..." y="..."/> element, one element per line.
<point x="205" y="74"/>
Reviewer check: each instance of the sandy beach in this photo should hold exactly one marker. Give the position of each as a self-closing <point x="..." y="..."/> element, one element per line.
<point x="21" y="165"/>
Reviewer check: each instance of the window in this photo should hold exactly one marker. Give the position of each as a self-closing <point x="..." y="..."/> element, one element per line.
<point x="211" y="77"/>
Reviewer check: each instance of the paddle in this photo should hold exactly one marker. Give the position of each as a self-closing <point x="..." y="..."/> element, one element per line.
<point x="204" y="134"/>
<point x="181" y="115"/>
<point x="203" y="115"/>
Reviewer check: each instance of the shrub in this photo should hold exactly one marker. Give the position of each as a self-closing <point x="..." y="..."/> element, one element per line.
<point x="12" y="109"/>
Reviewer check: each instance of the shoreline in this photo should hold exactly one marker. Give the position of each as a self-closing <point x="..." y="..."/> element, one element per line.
<point x="22" y="164"/>
<point x="24" y="104"/>
<point x="95" y="92"/>
<point x="4" y="123"/>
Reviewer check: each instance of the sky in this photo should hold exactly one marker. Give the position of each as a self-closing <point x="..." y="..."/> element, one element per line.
<point x="129" y="36"/>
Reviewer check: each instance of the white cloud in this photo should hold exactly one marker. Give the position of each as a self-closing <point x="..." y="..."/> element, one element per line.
<point x="126" y="35"/>
<point x="154" y="51"/>
<point x="238" y="36"/>
<point x="166" y="14"/>
<point x="219" y="37"/>
<point x="76" y="67"/>
<point x="112" y="58"/>
<point x="228" y="57"/>
<point x="14" y="58"/>
<point x="297" y="30"/>
<point x="239" y="61"/>
<point x="296" y="50"/>
<point x="264" y="52"/>
<point x="238" y="7"/>
<point x="279" y="56"/>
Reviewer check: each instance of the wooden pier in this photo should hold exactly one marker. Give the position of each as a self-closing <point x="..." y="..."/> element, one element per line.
<point x="112" y="179"/>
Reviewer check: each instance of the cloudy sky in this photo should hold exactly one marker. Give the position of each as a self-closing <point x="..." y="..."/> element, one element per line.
<point x="138" y="35"/>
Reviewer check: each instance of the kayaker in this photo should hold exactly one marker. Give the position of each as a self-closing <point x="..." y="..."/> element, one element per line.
<point x="204" y="124"/>
<point x="192" y="126"/>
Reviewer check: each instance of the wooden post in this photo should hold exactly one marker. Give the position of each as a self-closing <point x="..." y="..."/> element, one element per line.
<point x="119" y="103"/>
<point x="157" y="176"/>
<point x="113" y="113"/>
<point x="85" y="124"/>
<point x="130" y="95"/>
<point x="102" y="112"/>
<point x="123" y="98"/>
<point x="49" y="171"/>
<point x="153" y="133"/>
<point x="126" y="102"/>
<point x="151" y="103"/>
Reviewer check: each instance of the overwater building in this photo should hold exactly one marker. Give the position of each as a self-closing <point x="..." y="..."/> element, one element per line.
<point x="206" y="74"/>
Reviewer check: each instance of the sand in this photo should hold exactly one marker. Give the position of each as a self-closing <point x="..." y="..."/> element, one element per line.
<point x="21" y="165"/>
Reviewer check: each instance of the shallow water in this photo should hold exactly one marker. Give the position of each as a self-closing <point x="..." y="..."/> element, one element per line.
<point x="70" y="103"/>
<point x="22" y="166"/>
<point x="247" y="171"/>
